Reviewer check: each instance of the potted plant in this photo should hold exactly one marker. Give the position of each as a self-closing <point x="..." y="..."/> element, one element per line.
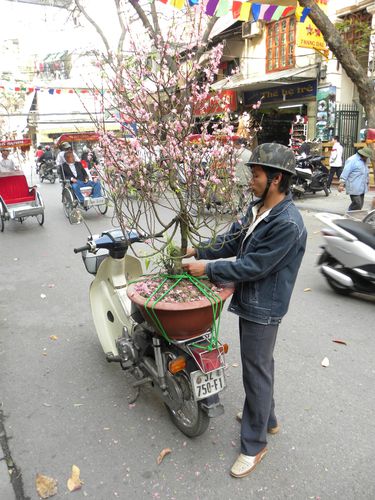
<point x="166" y="170"/>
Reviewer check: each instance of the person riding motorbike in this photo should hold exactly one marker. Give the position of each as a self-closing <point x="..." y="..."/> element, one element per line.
<point x="47" y="155"/>
<point x="268" y="243"/>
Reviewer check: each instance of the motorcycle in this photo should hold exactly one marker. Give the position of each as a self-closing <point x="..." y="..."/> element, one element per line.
<point x="348" y="258"/>
<point x="187" y="377"/>
<point x="48" y="171"/>
<point x="311" y="176"/>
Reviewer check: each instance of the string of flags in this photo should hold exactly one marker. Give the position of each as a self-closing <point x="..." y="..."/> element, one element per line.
<point x="50" y="90"/>
<point x="244" y="10"/>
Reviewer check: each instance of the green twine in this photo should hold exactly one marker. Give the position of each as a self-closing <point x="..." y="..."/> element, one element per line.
<point x="213" y="298"/>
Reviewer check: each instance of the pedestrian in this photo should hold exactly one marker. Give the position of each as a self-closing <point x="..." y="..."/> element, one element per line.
<point x="268" y="243"/>
<point x="304" y="149"/>
<point x="6" y="164"/>
<point x="335" y="160"/>
<point x="355" y="177"/>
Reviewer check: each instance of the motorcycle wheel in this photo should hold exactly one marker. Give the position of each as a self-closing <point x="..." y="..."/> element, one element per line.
<point x="52" y="180"/>
<point x="190" y="419"/>
<point x="336" y="287"/>
<point x="326" y="190"/>
<point x="370" y="218"/>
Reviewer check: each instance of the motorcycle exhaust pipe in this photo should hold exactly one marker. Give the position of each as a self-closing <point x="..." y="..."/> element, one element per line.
<point x="341" y="278"/>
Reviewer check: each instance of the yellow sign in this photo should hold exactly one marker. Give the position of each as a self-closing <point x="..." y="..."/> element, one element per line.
<point x="309" y="36"/>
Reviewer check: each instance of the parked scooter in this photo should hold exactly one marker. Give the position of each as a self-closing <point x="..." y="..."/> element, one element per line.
<point x="48" y="171"/>
<point x="311" y="176"/>
<point x="348" y="258"/>
<point x="187" y="381"/>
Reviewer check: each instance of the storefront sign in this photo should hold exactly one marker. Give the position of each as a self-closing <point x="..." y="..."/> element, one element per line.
<point x="214" y="104"/>
<point x="309" y="36"/>
<point x="282" y="93"/>
<point x="16" y="143"/>
<point x="325" y="116"/>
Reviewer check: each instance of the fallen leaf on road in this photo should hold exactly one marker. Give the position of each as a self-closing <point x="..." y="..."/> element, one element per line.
<point x="45" y="486"/>
<point x="338" y="341"/>
<point x="235" y="365"/>
<point x="162" y="454"/>
<point x="74" y="483"/>
<point x="325" y="362"/>
<point x="307" y="290"/>
<point x="43" y="296"/>
<point x="51" y="285"/>
<point x="47" y="405"/>
<point x="53" y="337"/>
<point x="78" y="404"/>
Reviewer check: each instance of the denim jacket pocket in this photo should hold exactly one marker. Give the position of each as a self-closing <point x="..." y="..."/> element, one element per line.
<point x="250" y="293"/>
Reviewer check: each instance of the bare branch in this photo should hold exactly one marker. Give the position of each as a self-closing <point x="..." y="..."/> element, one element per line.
<point x="95" y="25"/>
<point x="123" y="28"/>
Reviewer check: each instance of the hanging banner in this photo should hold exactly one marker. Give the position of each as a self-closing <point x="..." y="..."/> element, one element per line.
<point x="308" y="35"/>
<point x="325" y="117"/>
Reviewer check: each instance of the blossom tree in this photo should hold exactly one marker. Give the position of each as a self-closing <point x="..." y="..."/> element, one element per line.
<point x="162" y="176"/>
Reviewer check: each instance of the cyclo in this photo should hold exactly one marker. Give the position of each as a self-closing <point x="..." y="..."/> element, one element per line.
<point x="18" y="200"/>
<point x="68" y="196"/>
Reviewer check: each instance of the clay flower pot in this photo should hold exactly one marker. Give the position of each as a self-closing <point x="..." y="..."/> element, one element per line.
<point x="180" y="320"/>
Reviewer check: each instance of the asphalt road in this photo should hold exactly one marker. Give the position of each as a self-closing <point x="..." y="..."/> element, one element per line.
<point x="63" y="404"/>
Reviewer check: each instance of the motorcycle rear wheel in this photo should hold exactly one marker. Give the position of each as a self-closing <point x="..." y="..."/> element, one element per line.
<point x="370" y="218"/>
<point x="190" y="419"/>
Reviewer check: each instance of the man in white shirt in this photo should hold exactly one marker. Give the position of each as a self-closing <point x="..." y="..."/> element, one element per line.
<point x="60" y="158"/>
<point x="335" y="160"/>
<point x="6" y="164"/>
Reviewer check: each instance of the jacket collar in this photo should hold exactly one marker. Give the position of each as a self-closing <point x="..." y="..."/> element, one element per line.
<point x="277" y="209"/>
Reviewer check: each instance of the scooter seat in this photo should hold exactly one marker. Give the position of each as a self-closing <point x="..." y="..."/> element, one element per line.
<point x="361" y="230"/>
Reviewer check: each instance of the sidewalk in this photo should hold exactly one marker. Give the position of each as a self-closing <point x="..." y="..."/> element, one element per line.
<point x="336" y="202"/>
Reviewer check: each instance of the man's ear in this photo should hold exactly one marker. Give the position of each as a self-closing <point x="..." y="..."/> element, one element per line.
<point x="277" y="178"/>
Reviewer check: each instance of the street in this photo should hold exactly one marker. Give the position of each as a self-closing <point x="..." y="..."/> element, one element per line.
<point x="63" y="404"/>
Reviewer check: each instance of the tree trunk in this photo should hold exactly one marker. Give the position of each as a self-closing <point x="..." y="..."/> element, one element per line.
<point x="346" y="58"/>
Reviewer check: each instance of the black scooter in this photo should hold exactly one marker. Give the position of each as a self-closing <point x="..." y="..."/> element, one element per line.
<point x="48" y="171"/>
<point x="311" y="176"/>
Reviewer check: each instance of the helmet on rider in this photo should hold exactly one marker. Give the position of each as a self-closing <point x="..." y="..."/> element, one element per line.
<point x="47" y="147"/>
<point x="65" y="146"/>
<point x="274" y="158"/>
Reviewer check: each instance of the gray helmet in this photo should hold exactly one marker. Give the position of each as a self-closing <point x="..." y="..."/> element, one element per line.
<point x="273" y="155"/>
<point x="65" y="145"/>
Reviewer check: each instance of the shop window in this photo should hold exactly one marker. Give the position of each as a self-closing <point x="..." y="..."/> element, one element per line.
<point x="280" y="44"/>
<point x="355" y="28"/>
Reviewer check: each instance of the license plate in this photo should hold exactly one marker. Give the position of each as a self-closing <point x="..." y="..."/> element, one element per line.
<point x="97" y="201"/>
<point x="207" y="384"/>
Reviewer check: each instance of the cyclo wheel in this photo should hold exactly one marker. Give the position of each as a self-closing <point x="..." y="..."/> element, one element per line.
<point x="190" y="419"/>
<point x="102" y="209"/>
<point x="40" y="219"/>
<point x="68" y="201"/>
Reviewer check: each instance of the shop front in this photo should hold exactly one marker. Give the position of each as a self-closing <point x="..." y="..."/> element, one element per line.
<point x="287" y="113"/>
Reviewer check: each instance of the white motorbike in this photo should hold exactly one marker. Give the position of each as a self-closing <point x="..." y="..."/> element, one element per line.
<point x="348" y="258"/>
<point x="187" y="381"/>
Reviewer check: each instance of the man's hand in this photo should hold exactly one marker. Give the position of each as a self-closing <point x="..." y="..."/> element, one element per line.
<point x="195" y="268"/>
<point x="341" y="188"/>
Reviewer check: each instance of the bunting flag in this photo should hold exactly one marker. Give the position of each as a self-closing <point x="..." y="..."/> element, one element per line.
<point x="50" y="90"/>
<point x="244" y="10"/>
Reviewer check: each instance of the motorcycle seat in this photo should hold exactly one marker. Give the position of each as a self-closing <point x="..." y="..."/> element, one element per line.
<point x="362" y="230"/>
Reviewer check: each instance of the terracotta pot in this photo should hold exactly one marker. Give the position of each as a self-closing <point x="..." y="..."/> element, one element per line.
<point x="180" y="320"/>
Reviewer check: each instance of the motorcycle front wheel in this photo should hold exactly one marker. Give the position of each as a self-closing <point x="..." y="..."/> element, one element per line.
<point x="190" y="418"/>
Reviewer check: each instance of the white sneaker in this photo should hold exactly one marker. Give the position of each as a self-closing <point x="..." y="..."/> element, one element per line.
<point x="245" y="464"/>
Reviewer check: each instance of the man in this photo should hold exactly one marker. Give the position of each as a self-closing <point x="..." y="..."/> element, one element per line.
<point x="6" y="164"/>
<point x="335" y="160"/>
<point x="355" y="178"/>
<point x="77" y="175"/>
<point x="47" y="155"/>
<point x="60" y="158"/>
<point x="304" y="149"/>
<point x="268" y="243"/>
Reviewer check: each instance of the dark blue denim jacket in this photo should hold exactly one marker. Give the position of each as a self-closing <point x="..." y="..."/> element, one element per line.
<point x="266" y="264"/>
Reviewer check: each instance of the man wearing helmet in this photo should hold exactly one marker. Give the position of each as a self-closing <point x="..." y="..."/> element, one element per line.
<point x="60" y="158"/>
<point x="268" y="243"/>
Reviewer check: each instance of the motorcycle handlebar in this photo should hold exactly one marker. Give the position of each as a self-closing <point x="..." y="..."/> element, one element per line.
<point x="82" y="249"/>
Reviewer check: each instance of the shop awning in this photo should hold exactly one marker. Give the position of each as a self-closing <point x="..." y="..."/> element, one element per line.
<point x="263" y="81"/>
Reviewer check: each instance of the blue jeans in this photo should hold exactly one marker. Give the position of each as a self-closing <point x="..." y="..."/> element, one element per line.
<point x="96" y="189"/>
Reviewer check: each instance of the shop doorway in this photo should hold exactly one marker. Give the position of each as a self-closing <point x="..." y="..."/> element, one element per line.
<point x="275" y="126"/>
